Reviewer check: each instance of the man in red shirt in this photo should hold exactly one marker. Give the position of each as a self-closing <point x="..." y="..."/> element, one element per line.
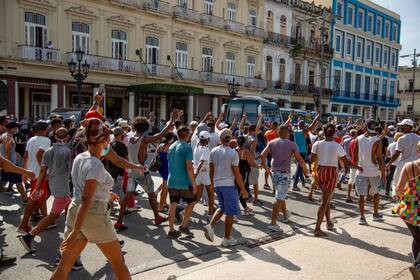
<point x="269" y="135"/>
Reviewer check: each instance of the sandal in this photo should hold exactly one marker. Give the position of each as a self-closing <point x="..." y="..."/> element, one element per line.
<point x="330" y="226"/>
<point x="320" y="233"/>
<point x="311" y="198"/>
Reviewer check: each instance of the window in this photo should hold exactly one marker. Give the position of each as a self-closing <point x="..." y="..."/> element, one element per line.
<point x="230" y="63"/>
<point x="387" y="29"/>
<point x="337" y="80"/>
<point x="359" y="49"/>
<point x="283" y="25"/>
<point x="250" y="66"/>
<point x="349" y="46"/>
<point x="393" y="59"/>
<point x="208" y="6"/>
<point x="282" y="70"/>
<point x="370" y="23"/>
<point x="375" y="87"/>
<point x="207" y="60"/>
<point x="340" y="9"/>
<point x="367" y="87"/>
<point x="385" y="60"/>
<point x="392" y="88"/>
<point x="358" y="84"/>
<point x="152" y="50"/>
<point x="253" y="17"/>
<point x="384" y="87"/>
<point x="119" y="44"/>
<point x="338" y="43"/>
<point x="181" y="55"/>
<point x="36" y="32"/>
<point x="395" y="32"/>
<point x="378" y="26"/>
<point x="377" y="55"/>
<point x="231" y="12"/>
<point x="80" y="38"/>
<point x="347" y="85"/>
<point x="360" y="19"/>
<point x="311" y="81"/>
<point x="368" y="51"/>
<point x="183" y="3"/>
<point x="350" y="15"/>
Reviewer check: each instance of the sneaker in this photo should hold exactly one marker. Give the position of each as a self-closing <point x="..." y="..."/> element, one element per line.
<point x="267" y="187"/>
<point x="26" y="241"/>
<point x="378" y="217"/>
<point x="159" y="220"/>
<point x="235" y="219"/>
<point x="5" y="260"/>
<point x="209" y="232"/>
<point x="53" y="225"/>
<point x="332" y="206"/>
<point x="362" y="221"/>
<point x="275" y="228"/>
<point x="120" y="227"/>
<point x="249" y="212"/>
<point x="250" y="199"/>
<point x="77" y="265"/>
<point x="296" y="188"/>
<point x="57" y="260"/>
<point x="286" y="217"/>
<point x="349" y="200"/>
<point x="130" y="211"/>
<point x="186" y="231"/>
<point x="36" y="217"/>
<point x="174" y="234"/>
<point x="122" y="243"/>
<point x="209" y="217"/>
<point x="258" y="202"/>
<point x="24" y="230"/>
<point x="229" y="242"/>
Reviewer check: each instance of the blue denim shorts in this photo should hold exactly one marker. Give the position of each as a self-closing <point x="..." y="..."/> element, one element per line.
<point x="228" y="200"/>
<point x="281" y="182"/>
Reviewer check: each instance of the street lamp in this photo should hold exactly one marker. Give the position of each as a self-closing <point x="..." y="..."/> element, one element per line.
<point x="233" y="88"/>
<point x="374" y="110"/>
<point x="414" y="76"/>
<point x="317" y="97"/>
<point x="79" y="72"/>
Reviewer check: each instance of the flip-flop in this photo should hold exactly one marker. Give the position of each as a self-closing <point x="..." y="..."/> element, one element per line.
<point x="330" y="226"/>
<point x="320" y="233"/>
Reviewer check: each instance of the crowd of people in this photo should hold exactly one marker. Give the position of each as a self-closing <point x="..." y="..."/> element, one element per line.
<point x="94" y="167"/>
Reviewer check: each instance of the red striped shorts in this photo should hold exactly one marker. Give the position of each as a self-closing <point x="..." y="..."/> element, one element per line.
<point x="327" y="176"/>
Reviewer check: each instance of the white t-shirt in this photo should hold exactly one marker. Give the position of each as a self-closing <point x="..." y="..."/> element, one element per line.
<point x="392" y="148"/>
<point x="201" y="153"/>
<point x="87" y="167"/>
<point x="194" y="140"/>
<point x="407" y="145"/>
<point x="214" y="140"/>
<point x="35" y="144"/>
<point x="223" y="158"/>
<point x="328" y="152"/>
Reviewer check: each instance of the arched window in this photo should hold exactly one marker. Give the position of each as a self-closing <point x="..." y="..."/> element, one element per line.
<point x="119" y="44"/>
<point x="282" y="70"/>
<point x="36" y="32"/>
<point x="269" y="69"/>
<point x="152" y="50"/>
<point x="270" y="21"/>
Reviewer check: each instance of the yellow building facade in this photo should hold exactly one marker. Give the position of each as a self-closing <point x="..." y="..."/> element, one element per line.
<point x="151" y="55"/>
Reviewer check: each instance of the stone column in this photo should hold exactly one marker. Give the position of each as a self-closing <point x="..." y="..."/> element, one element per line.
<point x="16" y="100"/>
<point x="214" y="108"/>
<point x="162" y="107"/>
<point x="60" y="95"/>
<point x="190" y="108"/>
<point x="54" y="96"/>
<point x="131" y="104"/>
<point x="11" y="85"/>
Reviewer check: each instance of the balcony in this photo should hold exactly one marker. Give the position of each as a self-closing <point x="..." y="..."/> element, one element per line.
<point x="255" y="83"/>
<point x="157" y="70"/>
<point x="39" y="54"/>
<point x="134" y="3"/>
<point x="365" y="98"/>
<point x="184" y="74"/>
<point x="213" y="77"/>
<point x="107" y="63"/>
<point x="158" y="6"/>
<point x="212" y="21"/>
<point x="255" y="31"/>
<point x="234" y="26"/>
<point x="277" y="39"/>
<point x="185" y="13"/>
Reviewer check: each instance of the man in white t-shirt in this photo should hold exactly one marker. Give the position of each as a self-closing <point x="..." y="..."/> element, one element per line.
<point x="201" y="161"/>
<point x="32" y="159"/>
<point x="392" y="148"/>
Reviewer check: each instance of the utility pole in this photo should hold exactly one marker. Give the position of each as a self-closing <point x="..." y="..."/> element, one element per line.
<point x="414" y="81"/>
<point x="324" y="14"/>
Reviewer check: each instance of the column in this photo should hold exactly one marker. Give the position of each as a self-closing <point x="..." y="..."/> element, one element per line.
<point x="190" y="108"/>
<point x="214" y="108"/>
<point x="16" y="100"/>
<point x="131" y="104"/>
<point x="27" y="99"/>
<point x="60" y="95"/>
<point x="11" y="84"/>
<point x="64" y="96"/>
<point x="163" y="107"/>
<point x="54" y="96"/>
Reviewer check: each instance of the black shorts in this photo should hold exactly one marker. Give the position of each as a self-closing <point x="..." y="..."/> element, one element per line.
<point x="175" y="195"/>
<point x="12" y="178"/>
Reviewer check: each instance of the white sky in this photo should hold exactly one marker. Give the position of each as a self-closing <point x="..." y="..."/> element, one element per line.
<point x="409" y="11"/>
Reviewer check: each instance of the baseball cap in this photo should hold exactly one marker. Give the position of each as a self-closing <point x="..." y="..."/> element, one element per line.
<point x="193" y="123"/>
<point x="123" y="124"/>
<point x="406" y="122"/>
<point x="302" y="123"/>
<point x="93" y="114"/>
<point x="226" y="134"/>
<point x="12" y="125"/>
<point x="204" y="135"/>
<point x="370" y="125"/>
<point x="118" y="131"/>
<point x="223" y="125"/>
<point x="391" y="127"/>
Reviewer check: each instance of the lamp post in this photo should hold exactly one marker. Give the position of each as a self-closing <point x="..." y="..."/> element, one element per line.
<point x="79" y="72"/>
<point x="233" y="88"/>
<point x="374" y="110"/>
<point x="317" y="97"/>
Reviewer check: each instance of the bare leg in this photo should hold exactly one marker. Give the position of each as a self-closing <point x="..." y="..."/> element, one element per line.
<point x="362" y="206"/>
<point x="216" y="217"/>
<point x="43" y="208"/>
<point x="163" y="196"/>
<point x="210" y="192"/>
<point x="22" y="192"/>
<point x="171" y="216"/>
<point x="350" y="188"/>
<point x="326" y="194"/>
<point x="153" y="204"/>
<point x="187" y="214"/>
<point x="29" y="208"/>
<point x="376" y="203"/>
<point x="228" y="226"/>
<point x="112" y="251"/>
<point x="275" y="213"/>
<point x="68" y="257"/>
<point x="255" y="192"/>
<point x="123" y="206"/>
<point x="44" y="223"/>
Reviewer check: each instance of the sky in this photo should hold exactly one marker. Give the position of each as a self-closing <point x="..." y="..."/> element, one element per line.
<point x="409" y="11"/>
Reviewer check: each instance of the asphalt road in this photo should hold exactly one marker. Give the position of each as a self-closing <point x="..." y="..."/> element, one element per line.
<point x="146" y="245"/>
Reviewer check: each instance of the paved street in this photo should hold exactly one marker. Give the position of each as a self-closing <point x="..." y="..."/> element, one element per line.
<point x="146" y="245"/>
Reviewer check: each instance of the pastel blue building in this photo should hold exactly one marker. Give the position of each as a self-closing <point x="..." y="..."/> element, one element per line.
<point x="364" y="69"/>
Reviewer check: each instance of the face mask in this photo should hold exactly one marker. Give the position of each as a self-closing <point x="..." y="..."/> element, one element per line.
<point x="105" y="151"/>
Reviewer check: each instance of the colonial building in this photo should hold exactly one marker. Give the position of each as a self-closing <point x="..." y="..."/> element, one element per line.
<point x="405" y="93"/>
<point x="293" y="64"/>
<point x="364" y="71"/>
<point x="150" y="54"/>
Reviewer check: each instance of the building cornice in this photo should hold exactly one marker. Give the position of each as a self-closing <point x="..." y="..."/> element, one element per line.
<point x="231" y="45"/>
<point x="153" y="28"/>
<point x="183" y="35"/>
<point x="43" y="6"/>
<point x="81" y="12"/>
<point x="209" y="40"/>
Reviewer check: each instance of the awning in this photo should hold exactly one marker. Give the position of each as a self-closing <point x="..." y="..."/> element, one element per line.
<point x="165" y="89"/>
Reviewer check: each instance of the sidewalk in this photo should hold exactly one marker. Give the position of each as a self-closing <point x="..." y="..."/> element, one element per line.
<point x="378" y="251"/>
